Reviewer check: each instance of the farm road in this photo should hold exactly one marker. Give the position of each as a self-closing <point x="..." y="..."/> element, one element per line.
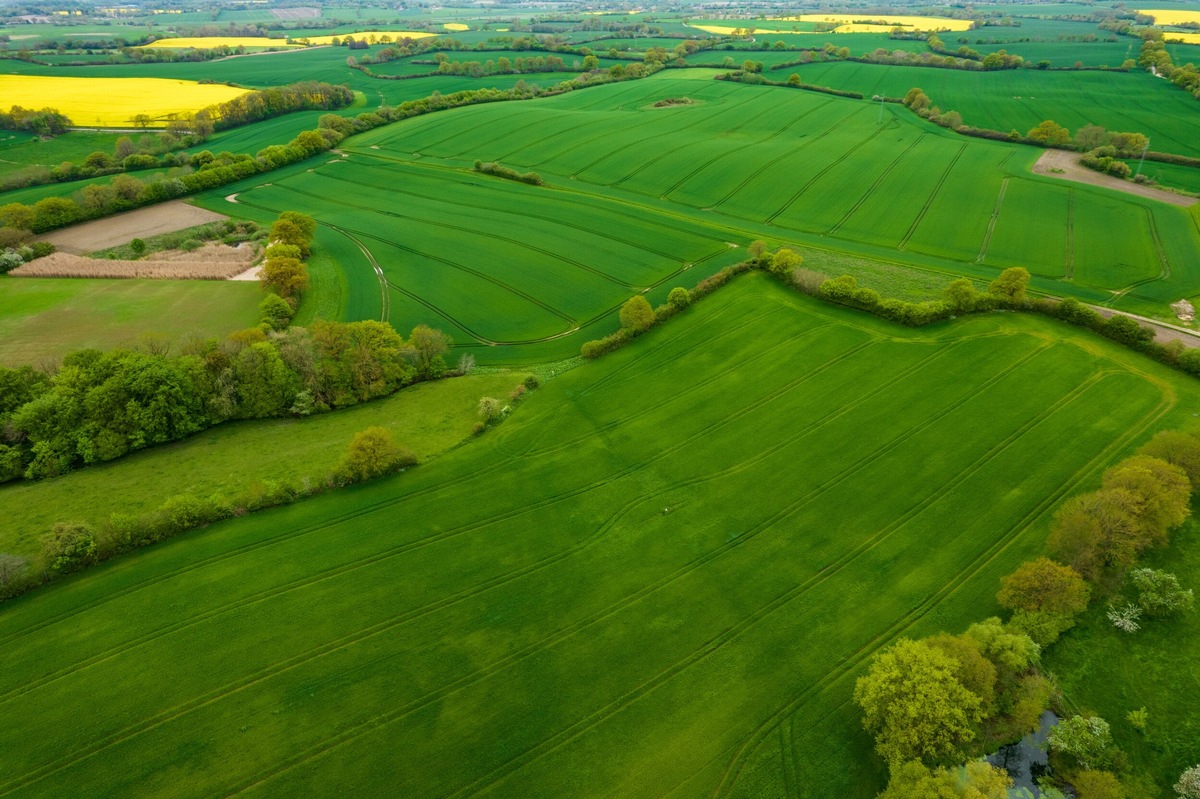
<point x="1070" y="169"/>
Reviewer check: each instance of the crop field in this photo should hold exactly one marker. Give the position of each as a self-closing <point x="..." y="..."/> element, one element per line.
<point x="185" y="42"/>
<point x="43" y="319"/>
<point x="746" y="159"/>
<point x="112" y="102"/>
<point x="669" y="596"/>
<point x="1172" y="16"/>
<point x="1021" y="98"/>
<point x="891" y="20"/>
<point x="19" y="150"/>
<point x="371" y="36"/>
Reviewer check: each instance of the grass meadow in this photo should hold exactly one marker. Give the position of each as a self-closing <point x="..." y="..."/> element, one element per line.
<point x="43" y="319"/>
<point x="428" y="419"/>
<point x="660" y="577"/>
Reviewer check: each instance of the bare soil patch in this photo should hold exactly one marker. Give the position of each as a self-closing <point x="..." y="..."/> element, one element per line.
<point x="153" y="220"/>
<point x="1065" y="165"/>
<point x="213" y="261"/>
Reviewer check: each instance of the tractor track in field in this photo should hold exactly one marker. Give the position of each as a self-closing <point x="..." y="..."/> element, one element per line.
<point x="385" y="303"/>
<point x="527" y="214"/>
<point x="855" y="659"/>
<point x="474" y="232"/>
<point x="726" y="636"/>
<point x="991" y="227"/>
<point x="671" y="189"/>
<point x="878" y="182"/>
<point x="629" y="470"/>
<point x="699" y="120"/>
<point x="669" y="152"/>
<point x="770" y="220"/>
<point x="1069" y="258"/>
<point x="771" y="163"/>
<point x="937" y="188"/>
<point x="377" y="557"/>
<point x="866" y="460"/>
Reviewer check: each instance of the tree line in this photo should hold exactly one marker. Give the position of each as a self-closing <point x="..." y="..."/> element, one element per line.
<point x="223" y="168"/>
<point x="935" y="702"/>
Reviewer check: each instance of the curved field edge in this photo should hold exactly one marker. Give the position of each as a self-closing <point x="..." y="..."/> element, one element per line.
<point x="427" y="418"/>
<point x="648" y="573"/>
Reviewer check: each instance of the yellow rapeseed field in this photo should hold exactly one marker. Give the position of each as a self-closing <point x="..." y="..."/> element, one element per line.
<point x="456" y="26"/>
<point x="208" y="42"/>
<point x="371" y="36"/>
<point x="112" y="102"/>
<point x="1185" y="38"/>
<point x="888" y="20"/>
<point x="1170" y="16"/>
<point x="722" y="30"/>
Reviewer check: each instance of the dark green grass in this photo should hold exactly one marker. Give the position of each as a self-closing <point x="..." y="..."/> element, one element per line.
<point x="428" y="419"/>
<point x="660" y="576"/>
<point x="42" y="319"/>
<point x="1110" y="673"/>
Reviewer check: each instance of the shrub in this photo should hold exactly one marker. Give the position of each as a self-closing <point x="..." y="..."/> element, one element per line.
<point x="636" y="314"/>
<point x="1188" y="786"/>
<point x="1159" y="592"/>
<point x="1086" y="740"/>
<point x="372" y="453"/>
<point x="1073" y="311"/>
<point x="808" y="281"/>
<point x="489" y="408"/>
<point x="276" y="311"/>
<point x="14" y="573"/>
<point x="531" y="382"/>
<point x="598" y="347"/>
<point x="1043" y="585"/>
<point x="68" y="547"/>
<point x="784" y="261"/>
<point x="679" y="298"/>
<point x="1123" y="329"/>
<point x="960" y="295"/>
<point x="1010" y="285"/>
<point x="138" y="246"/>
<point x="1094" y="784"/>
<point x="1138" y="719"/>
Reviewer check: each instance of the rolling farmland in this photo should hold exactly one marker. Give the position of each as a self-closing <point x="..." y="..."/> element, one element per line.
<point x="639" y="195"/>
<point x="107" y="102"/>
<point x="575" y="594"/>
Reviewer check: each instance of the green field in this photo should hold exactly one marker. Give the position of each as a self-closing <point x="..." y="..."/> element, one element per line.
<point x="428" y="418"/>
<point x="42" y="319"/>
<point x="659" y="578"/>
<point x="644" y="198"/>
<point x="1021" y="98"/>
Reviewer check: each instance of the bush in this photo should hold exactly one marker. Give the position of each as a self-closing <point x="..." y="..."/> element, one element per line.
<point x="372" y="453"/>
<point x="1159" y="593"/>
<point x="276" y="311"/>
<point x="138" y="246"/>
<point x="531" y="382"/>
<point x="1178" y="448"/>
<point x="679" y="298"/>
<point x="1088" y="741"/>
<point x="14" y="575"/>
<point x="808" y="281"/>
<point x="1010" y="285"/>
<point x="1126" y="331"/>
<point x="1073" y="311"/>
<point x="489" y="408"/>
<point x="1043" y="585"/>
<point x="602" y="346"/>
<point x="68" y="547"/>
<point x="636" y="314"/>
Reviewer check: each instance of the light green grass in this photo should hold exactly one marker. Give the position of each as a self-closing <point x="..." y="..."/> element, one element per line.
<point x="428" y="418"/>
<point x="42" y="319"/>
<point x="660" y="576"/>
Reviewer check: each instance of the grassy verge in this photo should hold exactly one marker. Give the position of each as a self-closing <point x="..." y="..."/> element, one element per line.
<point x="428" y="418"/>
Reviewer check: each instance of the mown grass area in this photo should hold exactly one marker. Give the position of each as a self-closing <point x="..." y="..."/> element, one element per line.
<point x="43" y="319"/>
<point x="230" y="459"/>
<point x="640" y="198"/>
<point x="664" y="573"/>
